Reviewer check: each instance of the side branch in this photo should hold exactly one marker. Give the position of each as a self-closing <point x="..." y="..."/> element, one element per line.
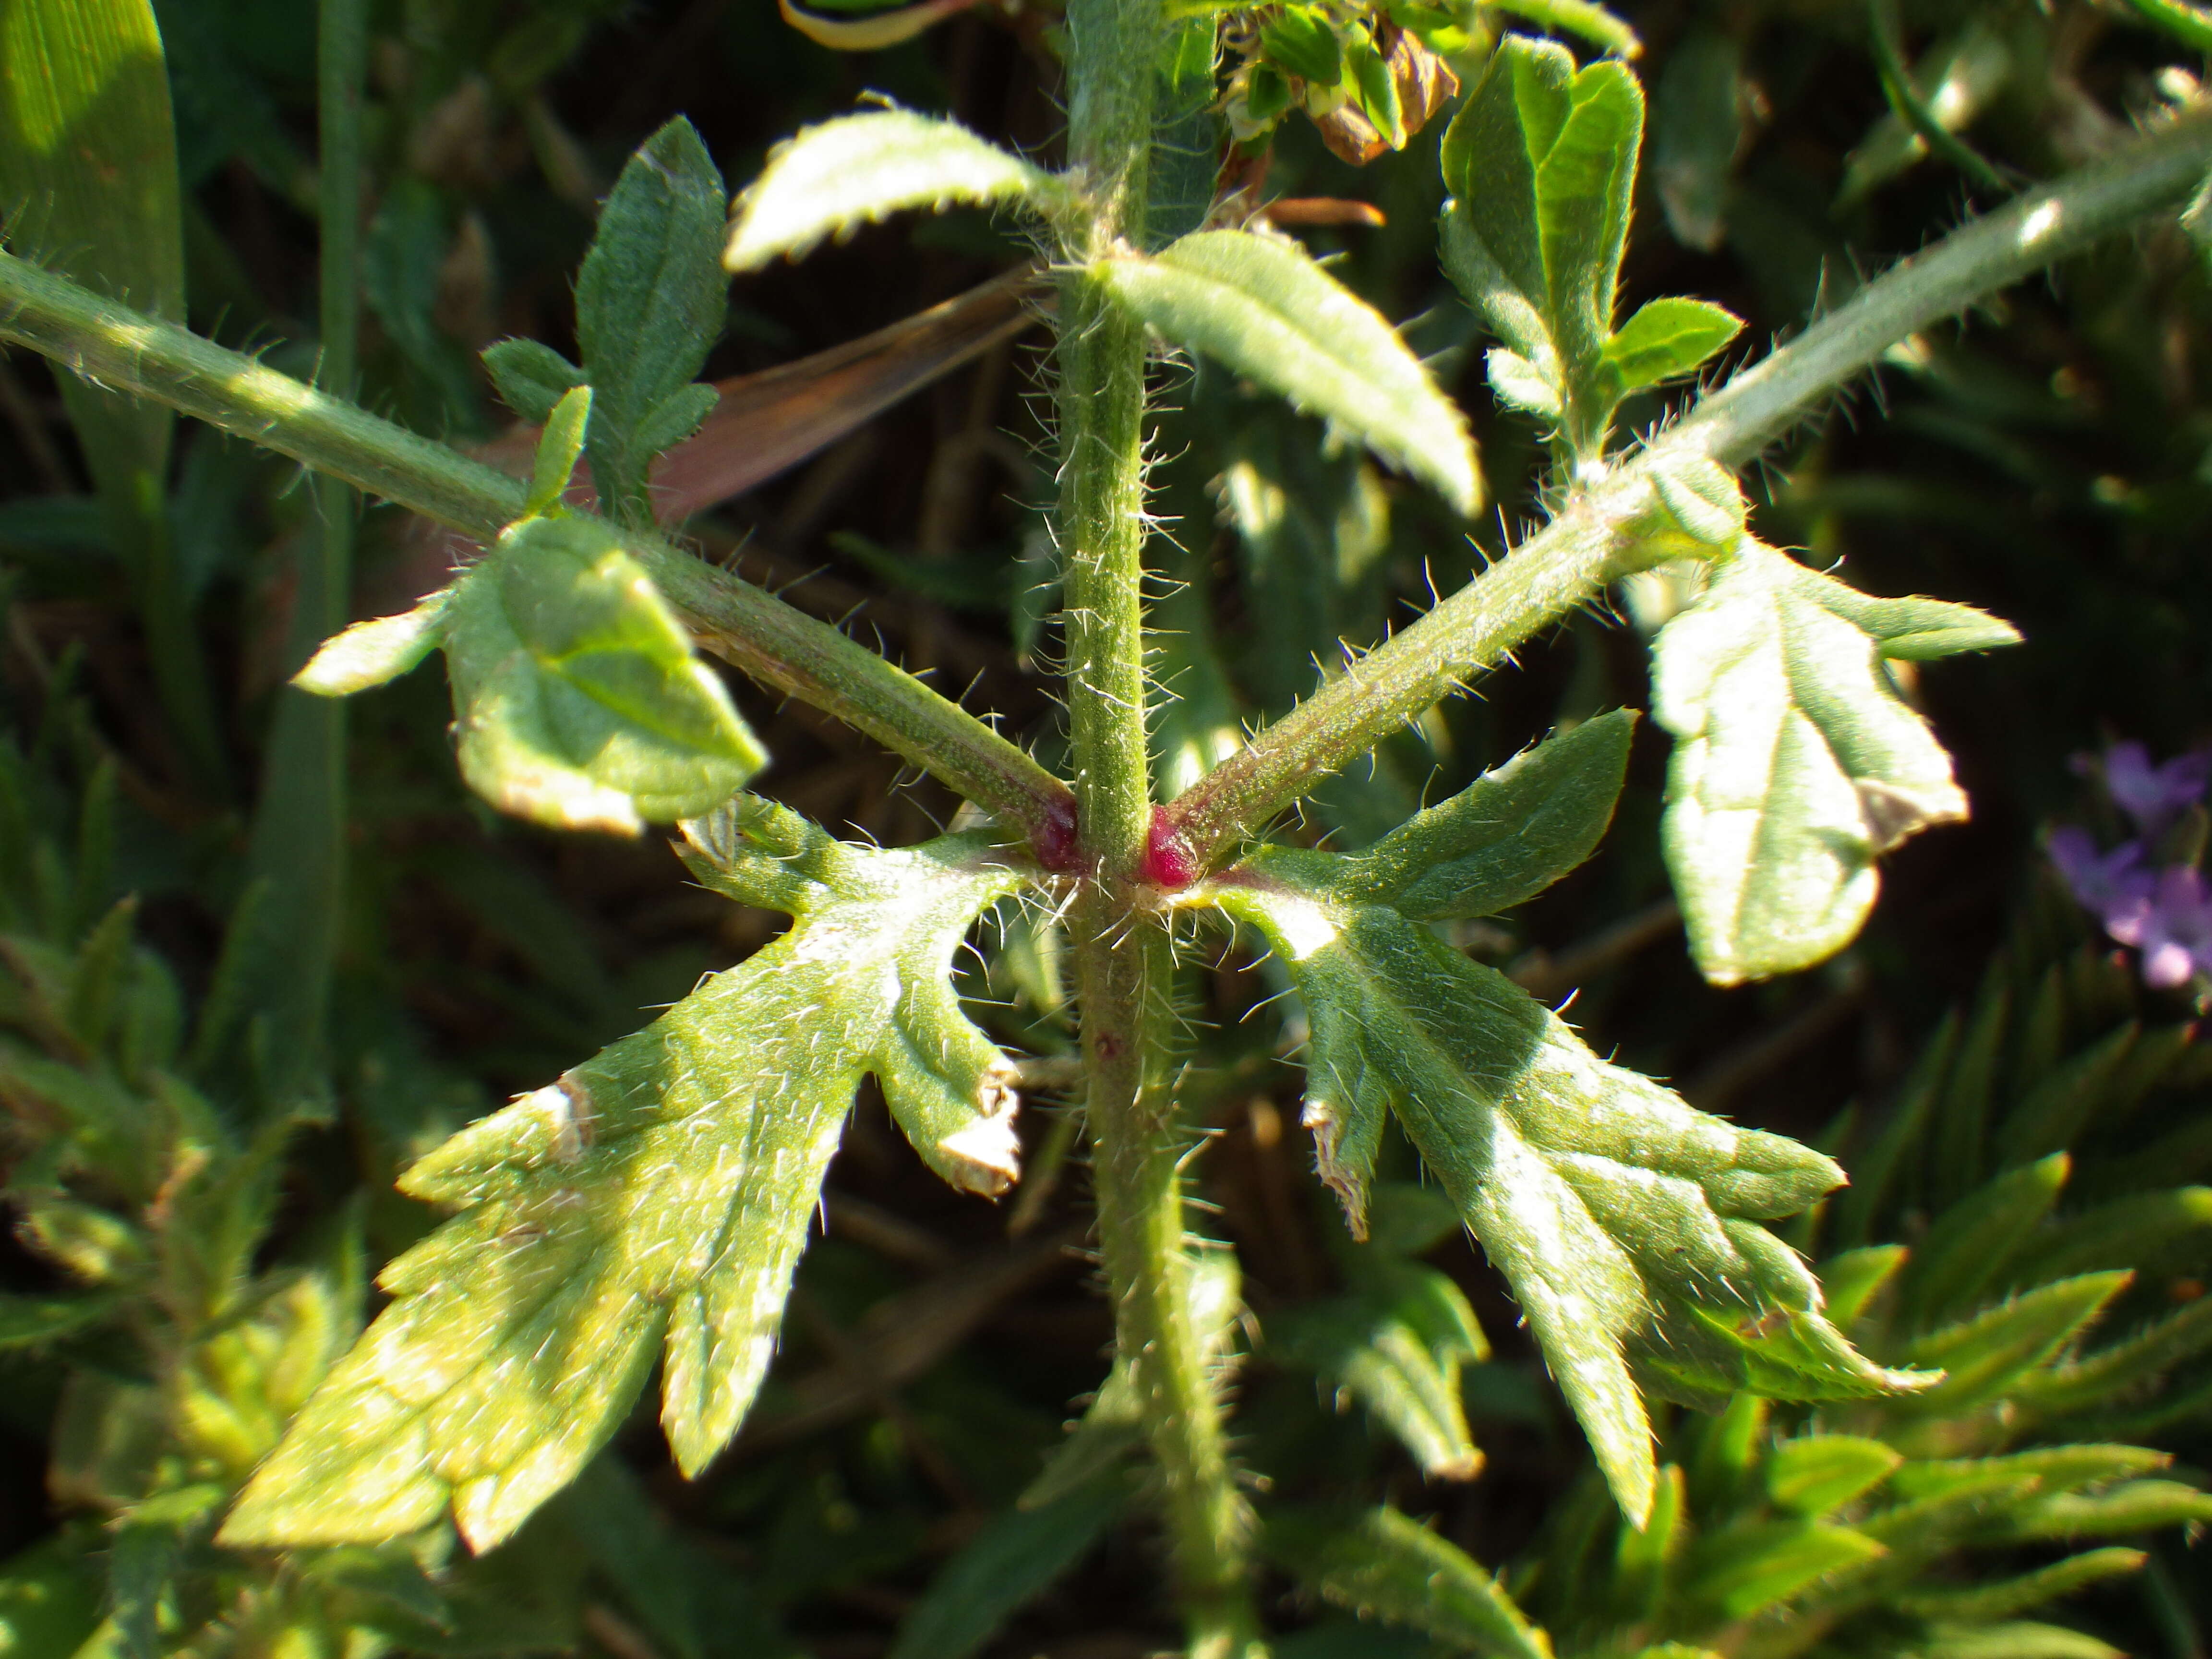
<point x="1570" y="561"/>
<point x="774" y="642"/>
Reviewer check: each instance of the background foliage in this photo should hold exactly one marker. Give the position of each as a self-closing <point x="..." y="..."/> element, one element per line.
<point x="2050" y="461"/>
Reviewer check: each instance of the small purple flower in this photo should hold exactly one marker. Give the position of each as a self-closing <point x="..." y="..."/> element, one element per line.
<point x="2152" y="795"/>
<point x="2112" y="883"/>
<point x="2171" y="926"/>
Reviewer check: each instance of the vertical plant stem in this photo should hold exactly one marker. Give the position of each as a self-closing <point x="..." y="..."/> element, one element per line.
<point x="1123" y="959"/>
<point x="296" y="862"/>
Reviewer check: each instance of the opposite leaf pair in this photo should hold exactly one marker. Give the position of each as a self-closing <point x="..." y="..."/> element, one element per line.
<point x="1259" y="303"/>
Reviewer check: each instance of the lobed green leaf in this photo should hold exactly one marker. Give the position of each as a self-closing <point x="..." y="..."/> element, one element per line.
<point x="650" y="302"/>
<point x="1796" y="764"/>
<point x="1264" y="308"/>
<point x="531" y="377"/>
<point x="578" y="699"/>
<point x="1626" y="1221"/>
<point x="652" y="1201"/>
<point x="830" y="180"/>
<point x="1540" y="162"/>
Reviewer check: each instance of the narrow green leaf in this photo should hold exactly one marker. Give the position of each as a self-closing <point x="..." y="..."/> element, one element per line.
<point x="676" y="417"/>
<point x="1970" y="1243"/>
<point x="830" y="180"/>
<point x="1015" y="1558"/>
<point x="1508" y="835"/>
<point x="2070" y="1093"/>
<point x="2142" y="1233"/>
<point x="1646" y="1562"/>
<point x="30" y="1321"/>
<point x="2009" y="1597"/>
<point x="1917" y="630"/>
<point x="2136" y="1506"/>
<point x="1264" y="307"/>
<point x="531" y="378"/>
<point x="2014" y="1641"/>
<point x="2097" y="1378"/>
<point x="1854" y="1278"/>
<point x="559" y="449"/>
<point x="1796" y="764"/>
<point x="1667" y="337"/>
<point x="2047" y="1469"/>
<point x="1396" y="1344"/>
<point x="654" y="1197"/>
<point x="1986" y="1357"/>
<point x="1383" y="1565"/>
<point x="1506" y="126"/>
<point x="578" y="698"/>
<point x="1816" y="1474"/>
<point x="371" y="652"/>
<point x="650" y="302"/>
<point x="1625" y="1222"/>
<point x="88" y="174"/>
<point x="1748" y="1569"/>
<point x="1582" y="185"/>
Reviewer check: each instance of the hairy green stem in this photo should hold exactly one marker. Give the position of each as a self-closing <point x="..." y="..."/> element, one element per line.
<point x="295" y="863"/>
<point x="1569" y="561"/>
<point x="769" y="639"/>
<point x="1123" y="960"/>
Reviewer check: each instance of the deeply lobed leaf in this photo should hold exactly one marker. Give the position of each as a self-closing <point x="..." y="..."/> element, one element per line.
<point x="654" y="1198"/>
<point x="1626" y="1222"/>
<point x="1540" y="163"/>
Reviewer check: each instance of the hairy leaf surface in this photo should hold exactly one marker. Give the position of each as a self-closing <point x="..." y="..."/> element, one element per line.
<point x="1262" y="306"/>
<point x="1396" y="1344"/>
<point x="370" y="654"/>
<point x="1384" y="1564"/>
<point x="1508" y="835"/>
<point x="1626" y="1222"/>
<point x="650" y="300"/>
<point x="579" y="701"/>
<point x="830" y="180"/>
<point x="1795" y="761"/>
<point x="654" y="1199"/>
<point x="1540" y="163"/>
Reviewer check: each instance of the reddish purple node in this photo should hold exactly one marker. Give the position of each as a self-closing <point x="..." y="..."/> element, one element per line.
<point x="1170" y="861"/>
<point x="1059" y="839"/>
